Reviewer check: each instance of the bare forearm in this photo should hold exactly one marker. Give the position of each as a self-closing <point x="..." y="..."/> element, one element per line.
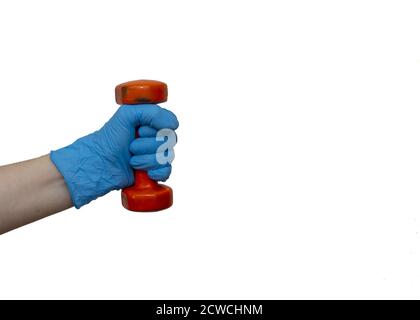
<point x="29" y="191"/>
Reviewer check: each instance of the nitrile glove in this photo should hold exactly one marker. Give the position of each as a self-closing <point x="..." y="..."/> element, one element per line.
<point x="104" y="160"/>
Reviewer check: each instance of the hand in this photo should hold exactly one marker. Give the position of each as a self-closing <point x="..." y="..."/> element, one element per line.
<point x="104" y="160"/>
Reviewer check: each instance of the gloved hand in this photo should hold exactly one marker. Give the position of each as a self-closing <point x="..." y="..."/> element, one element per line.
<point x="103" y="161"/>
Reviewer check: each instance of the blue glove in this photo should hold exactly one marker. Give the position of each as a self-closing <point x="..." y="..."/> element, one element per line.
<point x="103" y="161"/>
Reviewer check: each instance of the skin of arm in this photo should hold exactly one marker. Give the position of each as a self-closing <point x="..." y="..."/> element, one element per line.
<point x="29" y="191"/>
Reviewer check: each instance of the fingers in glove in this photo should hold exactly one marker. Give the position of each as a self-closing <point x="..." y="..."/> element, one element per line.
<point x="160" y="174"/>
<point x="152" y="161"/>
<point x="147" y="132"/>
<point x="150" y="115"/>
<point x="145" y="146"/>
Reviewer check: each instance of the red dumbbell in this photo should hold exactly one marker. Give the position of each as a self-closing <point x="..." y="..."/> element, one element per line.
<point x="145" y="194"/>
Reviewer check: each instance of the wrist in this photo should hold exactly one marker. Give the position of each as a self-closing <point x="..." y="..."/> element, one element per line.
<point x="87" y="171"/>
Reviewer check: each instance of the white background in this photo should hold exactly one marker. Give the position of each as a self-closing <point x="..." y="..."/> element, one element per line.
<point x="297" y="173"/>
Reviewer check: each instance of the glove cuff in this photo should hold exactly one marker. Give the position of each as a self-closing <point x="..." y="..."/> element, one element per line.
<point x="83" y="170"/>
